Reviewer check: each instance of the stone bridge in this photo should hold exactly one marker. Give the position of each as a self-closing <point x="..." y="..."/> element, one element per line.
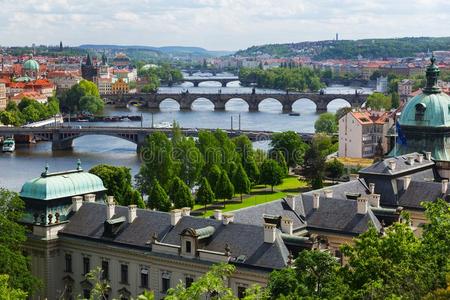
<point x="62" y="137"/>
<point x="185" y="100"/>
<point x="223" y="80"/>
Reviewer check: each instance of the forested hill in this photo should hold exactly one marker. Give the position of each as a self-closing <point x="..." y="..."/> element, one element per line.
<point x="367" y="48"/>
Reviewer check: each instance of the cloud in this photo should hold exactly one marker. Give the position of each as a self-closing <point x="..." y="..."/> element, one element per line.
<point x="216" y="24"/>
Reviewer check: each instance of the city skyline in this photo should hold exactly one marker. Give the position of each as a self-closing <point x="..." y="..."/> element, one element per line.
<point x="215" y="25"/>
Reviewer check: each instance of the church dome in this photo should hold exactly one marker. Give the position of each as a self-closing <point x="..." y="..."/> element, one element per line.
<point x="431" y="108"/>
<point x="31" y="65"/>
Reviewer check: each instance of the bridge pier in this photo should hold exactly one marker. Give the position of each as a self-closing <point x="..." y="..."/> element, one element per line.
<point x="320" y="108"/>
<point x="287" y="108"/>
<point x="224" y="84"/>
<point x="196" y="83"/>
<point x="62" y="144"/>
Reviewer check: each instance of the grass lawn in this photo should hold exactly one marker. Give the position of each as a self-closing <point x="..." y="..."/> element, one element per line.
<point x="259" y="194"/>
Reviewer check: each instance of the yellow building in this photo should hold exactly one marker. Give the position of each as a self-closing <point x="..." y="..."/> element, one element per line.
<point x="120" y="87"/>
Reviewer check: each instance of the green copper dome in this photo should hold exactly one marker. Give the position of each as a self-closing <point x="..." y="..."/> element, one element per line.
<point x="31" y="65"/>
<point x="61" y="185"/>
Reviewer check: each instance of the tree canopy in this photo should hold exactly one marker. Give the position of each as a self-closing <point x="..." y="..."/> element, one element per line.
<point x="291" y="145"/>
<point x="379" y="101"/>
<point x="326" y="123"/>
<point x="271" y="173"/>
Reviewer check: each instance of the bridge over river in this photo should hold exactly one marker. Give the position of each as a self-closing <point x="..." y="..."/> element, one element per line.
<point x="219" y="100"/>
<point x="62" y="137"/>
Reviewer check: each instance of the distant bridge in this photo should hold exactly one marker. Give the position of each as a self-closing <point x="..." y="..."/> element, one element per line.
<point x="219" y="100"/>
<point x="222" y="80"/>
<point x="62" y="137"/>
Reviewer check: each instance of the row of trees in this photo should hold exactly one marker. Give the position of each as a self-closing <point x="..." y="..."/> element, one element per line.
<point x="156" y="75"/>
<point x="28" y="110"/>
<point x="299" y="79"/>
<point x="219" y="166"/>
<point x="82" y="97"/>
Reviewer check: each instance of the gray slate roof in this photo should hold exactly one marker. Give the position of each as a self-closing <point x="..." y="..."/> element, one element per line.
<point x="243" y="239"/>
<point x="381" y="167"/>
<point x="420" y="191"/>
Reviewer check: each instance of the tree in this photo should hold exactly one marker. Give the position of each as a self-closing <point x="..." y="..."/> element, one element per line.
<point x="282" y="283"/>
<point x="91" y="104"/>
<point x="157" y="162"/>
<point x="12" y="236"/>
<point x="53" y="106"/>
<point x="271" y="173"/>
<point x="334" y="168"/>
<point x="157" y="198"/>
<point x="204" y="195"/>
<point x="189" y="159"/>
<point x="244" y="148"/>
<point x="325" y="143"/>
<point x="326" y="123"/>
<point x="314" y="166"/>
<point x="395" y="100"/>
<point x="241" y="182"/>
<point x="89" y="88"/>
<point x="180" y="194"/>
<point x="224" y="188"/>
<point x="9" y="293"/>
<point x="379" y="101"/>
<point x="291" y="145"/>
<point x="279" y="158"/>
<point x="342" y="112"/>
<point x="118" y="182"/>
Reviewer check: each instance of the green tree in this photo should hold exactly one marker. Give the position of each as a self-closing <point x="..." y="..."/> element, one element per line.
<point x="244" y="148"/>
<point x="180" y="194"/>
<point x="241" y="182"/>
<point x="157" y="162"/>
<point x="9" y="293"/>
<point x="342" y="112"/>
<point x="326" y="123"/>
<point x="379" y="101"/>
<point x="12" y="237"/>
<point x="89" y="88"/>
<point x="91" y="104"/>
<point x="224" y="188"/>
<point x="271" y="173"/>
<point x="9" y="118"/>
<point x="291" y="145"/>
<point x="189" y="159"/>
<point x="204" y="195"/>
<point x="395" y="100"/>
<point x="71" y="100"/>
<point x="279" y="157"/>
<point x="334" y="168"/>
<point x="213" y="176"/>
<point x="157" y="198"/>
<point x="53" y="106"/>
<point x="314" y="166"/>
<point x="325" y="143"/>
<point x="283" y="283"/>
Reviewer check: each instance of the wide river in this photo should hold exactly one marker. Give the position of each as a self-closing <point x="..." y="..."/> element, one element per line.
<point x="28" y="161"/>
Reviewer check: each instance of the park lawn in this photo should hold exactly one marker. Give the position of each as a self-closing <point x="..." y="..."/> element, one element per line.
<point x="291" y="185"/>
<point x="250" y="201"/>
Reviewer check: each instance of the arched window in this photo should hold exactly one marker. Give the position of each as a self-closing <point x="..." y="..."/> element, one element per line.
<point x="420" y="111"/>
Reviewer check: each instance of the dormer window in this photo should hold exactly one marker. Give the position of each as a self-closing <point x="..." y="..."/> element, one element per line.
<point x="188" y="247"/>
<point x="420" y="111"/>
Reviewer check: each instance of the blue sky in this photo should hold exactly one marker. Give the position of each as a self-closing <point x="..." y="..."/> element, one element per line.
<point x="216" y="24"/>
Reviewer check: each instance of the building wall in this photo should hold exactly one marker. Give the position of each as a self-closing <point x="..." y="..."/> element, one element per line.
<point x="350" y="137"/>
<point x="2" y="96"/>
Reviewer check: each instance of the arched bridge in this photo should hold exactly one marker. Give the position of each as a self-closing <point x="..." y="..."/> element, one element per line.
<point x="62" y="137"/>
<point x="185" y="100"/>
<point x="222" y="80"/>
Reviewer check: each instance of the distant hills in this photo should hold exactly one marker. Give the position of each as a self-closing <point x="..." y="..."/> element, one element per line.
<point x="160" y="51"/>
<point x="348" y="49"/>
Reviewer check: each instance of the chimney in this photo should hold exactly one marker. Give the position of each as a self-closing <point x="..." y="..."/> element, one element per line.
<point x="392" y="164"/>
<point x="291" y="201"/>
<point x="362" y="206"/>
<point x="328" y="193"/>
<point x="77" y="201"/>
<point x="175" y="216"/>
<point x="419" y="158"/>
<point x="227" y="218"/>
<point x="374" y="200"/>
<point x="316" y="200"/>
<point x="428" y="155"/>
<point x="410" y="160"/>
<point x="287" y="225"/>
<point x="269" y="233"/>
<point x="444" y="186"/>
<point x="110" y="207"/>
<point x="89" y="197"/>
<point x="218" y="214"/>
<point x="353" y="177"/>
<point x="372" y="188"/>
<point x="406" y="182"/>
<point x="132" y="213"/>
<point x="185" y="211"/>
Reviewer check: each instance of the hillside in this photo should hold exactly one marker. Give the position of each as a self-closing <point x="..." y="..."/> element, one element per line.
<point x="367" y="48"/>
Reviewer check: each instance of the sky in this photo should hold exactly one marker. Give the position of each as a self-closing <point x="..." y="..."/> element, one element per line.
<point x="215" y="24"/>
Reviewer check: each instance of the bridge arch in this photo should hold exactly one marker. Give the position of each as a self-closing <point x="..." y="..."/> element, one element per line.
<point x="237" y="104"/>
<point x="169" y="104"/>
<point x="233" y="83"/>
<point x="206" y="83"/>
<point x="304" y="105"/>
<point x="202" y="104"/>
<point x="337" y="103"/>
<point x="270" y="104"/>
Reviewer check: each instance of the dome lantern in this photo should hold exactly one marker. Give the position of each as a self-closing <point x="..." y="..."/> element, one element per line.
<point x="432" y="75"/>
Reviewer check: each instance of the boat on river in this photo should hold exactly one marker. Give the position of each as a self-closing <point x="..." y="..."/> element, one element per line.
<point x="9" y="145"/>
<point x="164" y="125"/>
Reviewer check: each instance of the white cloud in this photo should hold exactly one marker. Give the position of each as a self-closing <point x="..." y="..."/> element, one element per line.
<point x="216" y="24"/>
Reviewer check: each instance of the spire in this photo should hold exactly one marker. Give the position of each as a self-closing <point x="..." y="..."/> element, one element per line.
<point x="432" y="78"/>
<point x="88" y="60"/>
<point x="104" y="59"/>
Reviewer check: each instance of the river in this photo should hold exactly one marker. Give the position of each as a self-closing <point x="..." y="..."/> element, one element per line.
<point x="28" y="161"/>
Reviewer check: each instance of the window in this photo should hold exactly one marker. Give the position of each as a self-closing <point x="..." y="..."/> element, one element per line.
<point x="144" y="278"/>
<point x="165" y="281"/>
<point x="241" y="292"/>
<point x="188" y="247"/>
<point x="86" y="265"/>
<point x="420" y="111"/>
<point x="189" y="281"/>
<point x="105" y="270"/>
<point x="123" y="273"/>
<point x="68" y="263"/>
